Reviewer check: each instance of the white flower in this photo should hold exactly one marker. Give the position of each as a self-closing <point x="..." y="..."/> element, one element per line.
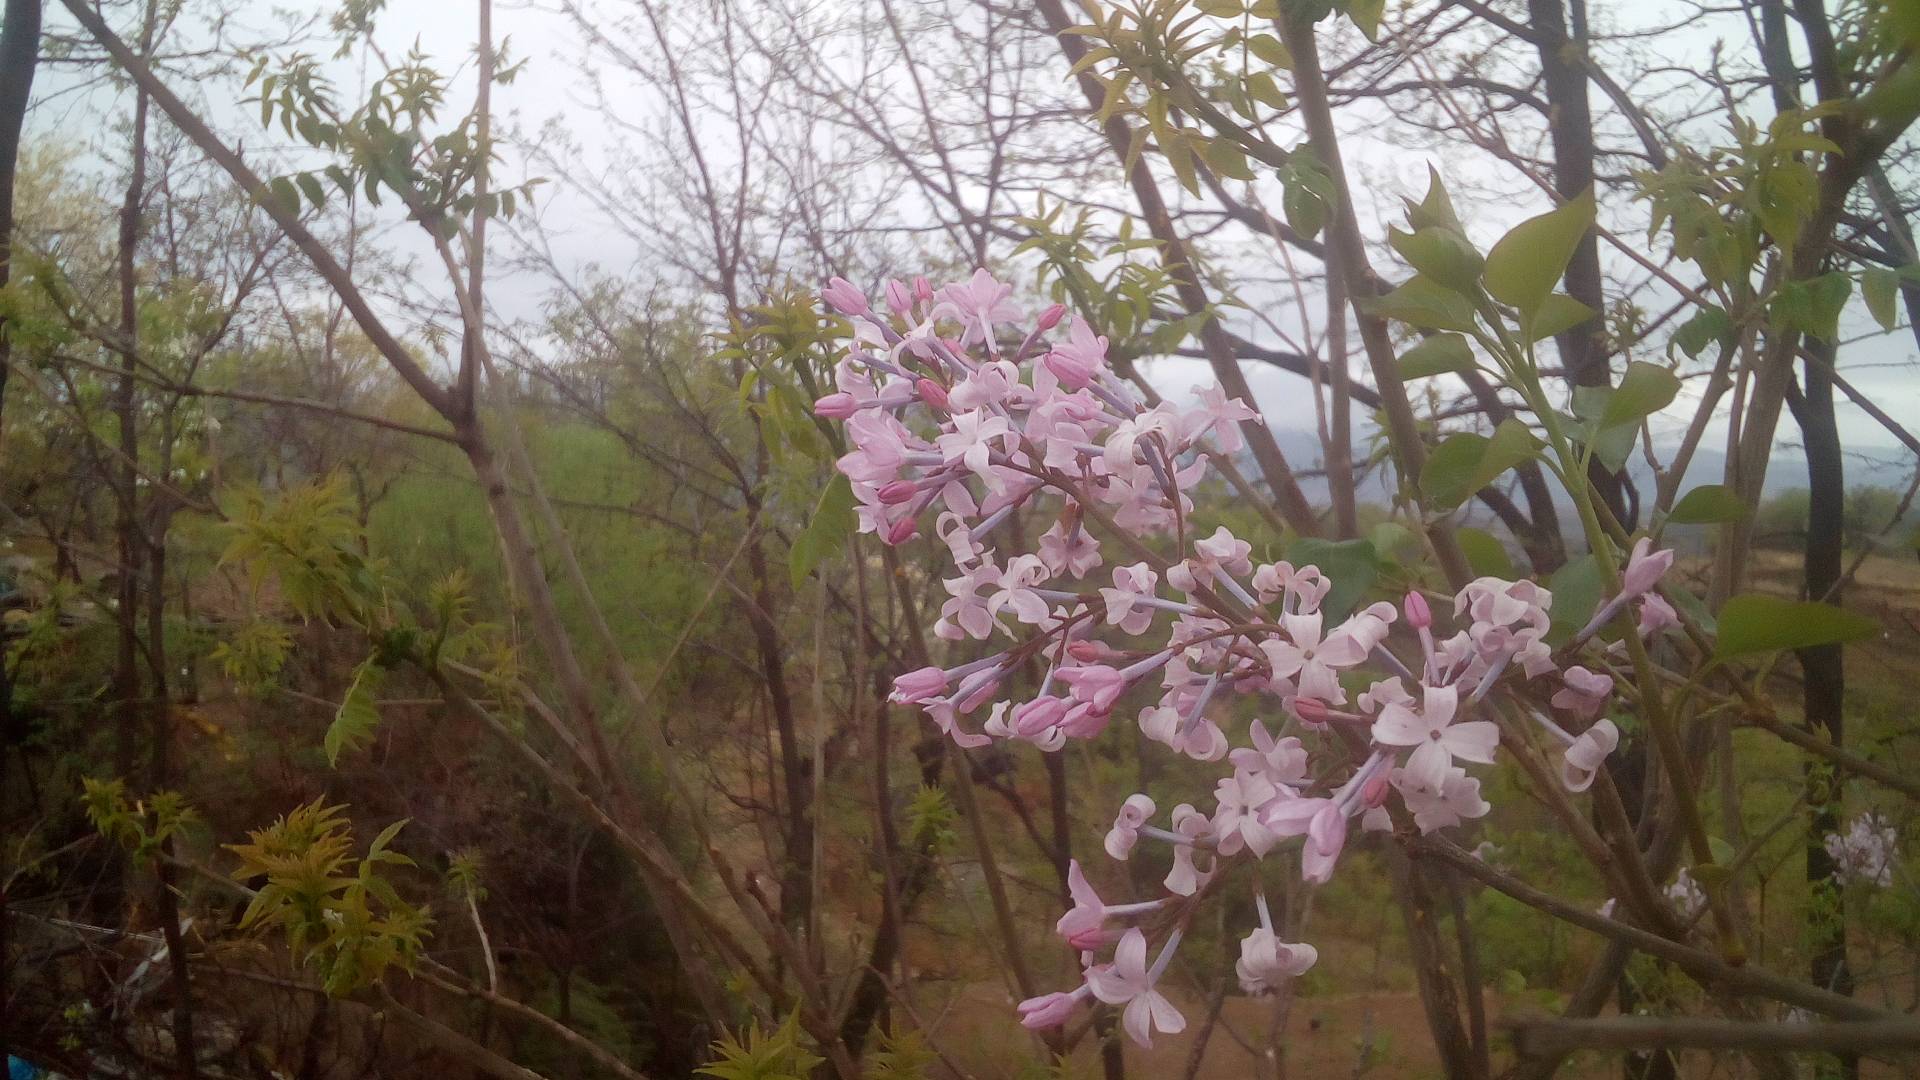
<point x="1127" y="982"/>
<point x="1435" y="738"/>
<point x="1266" y="962"/>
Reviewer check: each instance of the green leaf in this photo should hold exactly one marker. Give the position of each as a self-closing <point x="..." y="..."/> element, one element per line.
<point x="1269" y="49"/>
<point x="1306" y="211"/>
<point x="1486" y="555"/>
<point x="358" y="717"/>
<point x="281" y="190"/>
<point x="1879" y="286"/>
<point x="1425" y="303"/>
<point x="1558" y="313"/>
<point x="1524" y="266"/>
<point x="1708" y="504"/>
<point x="1576" y="589"/>
<point x="1812" y="307"/>
<point x="833" y="521"/>
<point x="1756" y="623"/>
<point x="1436" y="209"/>
<point x="1366" y="15"/>
<point x="310" y="185"/>
<point x="1262" y="88"/>
<point x="1468" y="462"/>
<point x="1645" y="389"/>
<point x="1228" y="160"/>
<point x="1350" y="564"/>
<point x="1436" y="355"/>
<point x="1708" y="325"/>
<point x="1441" y="254"/>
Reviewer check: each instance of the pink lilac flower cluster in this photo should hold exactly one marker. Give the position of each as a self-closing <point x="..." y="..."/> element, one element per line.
<point x="958" y="418"/>
<point x="1866" y="852"/>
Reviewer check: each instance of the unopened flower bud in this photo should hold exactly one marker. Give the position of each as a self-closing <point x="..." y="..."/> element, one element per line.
<point x="1374" y="792"/>
<point x="1088" y="651"/>
<point x="1051" y="317"/>
<point x="902" y="531"/>
<point x="898" y="491"/>
<point x="933" y="394"/>
<point x="899" y="299"/>
<point x="1419" y="615"/>
<point x="978" y="697"/>
<point x="1311" y="710"/>
<point x="838" y="406"/>
<point x="922" y="290"/>
<point x="845" y="297"/>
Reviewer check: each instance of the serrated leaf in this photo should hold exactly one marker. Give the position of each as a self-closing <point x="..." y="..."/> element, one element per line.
<point x="1436" y="355"/>
<point x="833" y="521"/>
<point x="358" y="717"/>
<point x="1708" y="504"/>
<point x="1756" y="623"/>
<point x="1528" y="261"/>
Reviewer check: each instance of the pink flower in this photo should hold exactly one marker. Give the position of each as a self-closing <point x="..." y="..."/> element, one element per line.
<point x="1016" y="593"/>
<point x="917" y="686"/>
<point x="1050" y="1010"/>
<point x="1079" y="362"/>
<point x="899" y="298"/>
<point x="1436" y="739"/>
<point x="966" y="612"/>
<point x="837" y="406"/>
<point x="1084" y="926"/>
<point x="1587" y="754"/>
<point x="1220" y="553"/>
<point x="1266" y="962"/>
<point x="845" y="297"/>
<point x="1096" y="684"/>
<point x="1441" y="804"/>
<point x="1656" y="615"/>
<point x="1236" y="821"/>
<point x="1645" y="568"/>
<point x="972" y="440"/>
<point x="978" y="304"/>
<point x="1302" y="589"/>
<point x="1222" y="416"/>
<point x="1069" y="549"/>
<point x="1419" y="615"/>
<point x="1131" y="584"/>
<point x="1126" y="827"/>
<point x="1127" y="982"/>
<point x="1312" y="662"/>
<point x="1195" y="827"/>
<point x="1326" y="836"/>
<point x="1203" y="741"/>
<point x="1585" y="692"/>
<point x="1282" y="761"/>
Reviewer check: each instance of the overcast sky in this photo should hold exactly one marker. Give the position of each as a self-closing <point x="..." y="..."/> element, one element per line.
<point x="550" y="89"/>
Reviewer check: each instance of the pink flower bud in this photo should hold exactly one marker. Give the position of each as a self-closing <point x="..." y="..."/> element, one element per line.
<point x="917" y="686"/>
<point x="838" y="406"/>
<point x="1374" y="792"/>
<point x="845" y="297"/>
<point x="1419" y="615"/>
<point x="1084" y="721"/>
<point x="1047" y="1011"/>
<point x="1036" y="716"/>
<point x="1644" y="568"/>
<point x="1327" y="832"/>
<point x="1051" y="317"/>
<point x="902" y="531"/>
<point x="979" y="696"/>
<point x="1088" y="651"/>
<point x="899" y="300"/>
<point x="933" y="394"/>
<point x="897" y="492"/>
<point x="922" y="290"/>
<point x="1311" y="711"/>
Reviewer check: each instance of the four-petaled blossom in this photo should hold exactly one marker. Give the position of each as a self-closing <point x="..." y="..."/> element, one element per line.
<point x="1282" y="761"/>
<point x="972" y="440"/>
<point x="1866" y="852"/>
<point x="1126" y="827"/>
<point x="1084" y="926"/>
<point x="1312" y="662"/>
<point x="1443" y="804"/>
<point x="1587" y="753"/>
<point x="978" y="304"/>
<point x="1236" y="822"/>
<point x="1645" y="568"/>
<point x="1131" y="585"/>
<point x="1434" y="735"/>
<point x="1127" y="982"/>
<point x="1080" y="362"/>
<point x="1266" y="962"/>
<point x="1585" y="692"/>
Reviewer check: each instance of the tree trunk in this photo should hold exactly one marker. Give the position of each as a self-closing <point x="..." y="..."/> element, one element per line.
<point x="19" y="52"/>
